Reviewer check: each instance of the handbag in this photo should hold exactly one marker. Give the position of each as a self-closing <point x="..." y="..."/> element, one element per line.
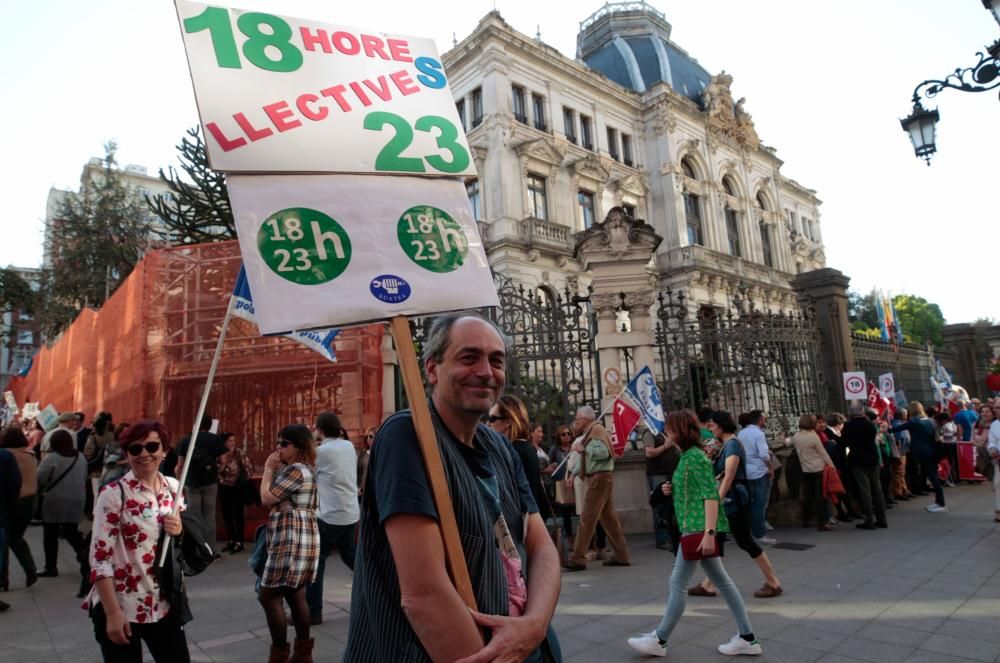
<point x="691" y="547"/>
<point x="192" y="550"/>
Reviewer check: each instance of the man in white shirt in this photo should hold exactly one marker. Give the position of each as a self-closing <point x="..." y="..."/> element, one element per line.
<point x="759" y="473"/>
<point x="67" y="421"/>
<point x="337" y="482"/>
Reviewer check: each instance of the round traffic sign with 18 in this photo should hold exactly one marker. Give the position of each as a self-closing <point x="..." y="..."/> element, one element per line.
<point x="304" y="246"/>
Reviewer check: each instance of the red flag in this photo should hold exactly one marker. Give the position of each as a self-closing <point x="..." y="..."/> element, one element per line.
<point x="625" y="418"/>
<point x="876" y="400"/>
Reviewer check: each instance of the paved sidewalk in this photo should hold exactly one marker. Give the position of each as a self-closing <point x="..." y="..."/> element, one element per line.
<point x="927" y="589"/>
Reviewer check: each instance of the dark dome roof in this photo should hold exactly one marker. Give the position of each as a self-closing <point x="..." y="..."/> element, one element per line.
<point x="630" y="44"/>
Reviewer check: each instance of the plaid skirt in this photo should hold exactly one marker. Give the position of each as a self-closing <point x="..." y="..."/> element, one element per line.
<point x="292" y="548"/>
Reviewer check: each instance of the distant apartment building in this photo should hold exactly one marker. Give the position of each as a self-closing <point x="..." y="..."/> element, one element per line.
<point x="21" y="336"/>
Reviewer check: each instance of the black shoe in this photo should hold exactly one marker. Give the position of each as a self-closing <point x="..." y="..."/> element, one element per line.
<point x="570" y="566"/>
<point x="845" y="519"/>
<point x="3" y="606"/>
<point x="31" y="579"/>
<point x="48" y="573"/>
<point x="882" y="525"/>
<point x="237" y="548"/>
<point x="865" y="526"/>
<point x="229" y="546"/>
<point x="616" y="562"/>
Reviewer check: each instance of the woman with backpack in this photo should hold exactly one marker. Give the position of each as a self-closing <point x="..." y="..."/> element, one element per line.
<point x="131" y="516"/>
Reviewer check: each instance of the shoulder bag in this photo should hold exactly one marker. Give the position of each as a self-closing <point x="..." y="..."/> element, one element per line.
<point x="691" y="543"/>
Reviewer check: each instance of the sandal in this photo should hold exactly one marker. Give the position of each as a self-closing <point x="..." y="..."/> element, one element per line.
<point x="698" y="590"/>
<point x="768" y="591"/>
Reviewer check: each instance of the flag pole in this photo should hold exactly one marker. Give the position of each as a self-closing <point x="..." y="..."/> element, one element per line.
<point x="597" y="418"/>
<point x="197" y="420"/>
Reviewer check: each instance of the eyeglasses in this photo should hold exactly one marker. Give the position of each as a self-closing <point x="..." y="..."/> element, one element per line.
<point x="497" y="417"/>
<point x="283" y="443"/>
<point x="150" y="447"/>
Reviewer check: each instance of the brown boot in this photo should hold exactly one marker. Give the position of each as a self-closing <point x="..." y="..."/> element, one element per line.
<point x="303" y="652"/>
<point x="279" y="654"/>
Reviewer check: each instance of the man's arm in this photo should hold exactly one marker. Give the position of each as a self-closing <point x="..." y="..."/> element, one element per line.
<point x="433" y="607"/>
<point x="514" y="638"/>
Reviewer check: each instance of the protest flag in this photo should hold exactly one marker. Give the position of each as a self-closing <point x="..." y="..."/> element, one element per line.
<point x="643" y="395"/>
<point x="625" y="418"/>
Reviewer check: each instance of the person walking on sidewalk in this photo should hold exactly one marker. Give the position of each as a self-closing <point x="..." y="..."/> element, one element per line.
<point x="61" y="482"/>
<point x="336" y="480"/>
<point x="201" y="489"/>
<point x="20" y="516"/>
<point x="596" y="467"/>
<point x="861" y="440"/>
<point x="759" y="474"/>
<point x="10" y="488"/>
<point x="698" y="514"/>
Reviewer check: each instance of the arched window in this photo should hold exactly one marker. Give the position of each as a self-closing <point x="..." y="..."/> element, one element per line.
<point x="765" y="230"/>
<point x="692" y="207"/>
<point x="732" y="220"/>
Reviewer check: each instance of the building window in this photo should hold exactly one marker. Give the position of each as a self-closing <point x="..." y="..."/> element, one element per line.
<point x="477" y="107"/>
<point x="475" y="201"/>
<point x="586" y="201"/>
<point x="536" y="196"/>
<point x="25" y="337"/>
<point x="569" y="124"/>
<point x="586" y="133"/>
<point x="807" y="228"/>
<point x="613" y="143"/>
<point x="23" y="314"/>
<point x="692" y="207"/>
<point x="519" y="112"/>
<point x="627" y="149"/>
<point x="629" y="211"/>
<point x="538" y="112"/>
<point x="733" y="232"/>
<point x="765" y="231"/>
<point x="460" y="108"/>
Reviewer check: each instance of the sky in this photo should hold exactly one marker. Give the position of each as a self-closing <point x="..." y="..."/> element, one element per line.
<point x="826" y="84"/>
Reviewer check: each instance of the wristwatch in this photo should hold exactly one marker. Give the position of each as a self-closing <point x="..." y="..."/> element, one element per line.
<point x="710" y="532"/>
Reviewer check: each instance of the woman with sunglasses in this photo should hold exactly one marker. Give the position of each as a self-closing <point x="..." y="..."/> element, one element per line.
<point x="509" y="417"/>
<point x="565" y="505"/>
<point x="126" y="603"/>
<point x="288" y="486"/>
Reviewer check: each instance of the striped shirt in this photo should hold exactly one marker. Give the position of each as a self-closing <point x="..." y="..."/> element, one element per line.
<point x="397" y="483"/>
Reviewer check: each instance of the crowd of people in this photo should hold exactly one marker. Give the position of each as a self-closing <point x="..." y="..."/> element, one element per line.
<point x="522" y="507"/>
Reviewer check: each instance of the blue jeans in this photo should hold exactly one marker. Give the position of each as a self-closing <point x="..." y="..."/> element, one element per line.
<point x="677" y="599"/>
<point x="330" y="536"/>
<point x="760" y="494"/>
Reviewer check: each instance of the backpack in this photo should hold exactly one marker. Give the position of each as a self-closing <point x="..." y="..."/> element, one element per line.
<point x="204" y="468"/>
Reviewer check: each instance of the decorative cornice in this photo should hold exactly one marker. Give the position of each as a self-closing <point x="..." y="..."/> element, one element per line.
<point x="546" y="150"/>
<point x="593" y="167"/>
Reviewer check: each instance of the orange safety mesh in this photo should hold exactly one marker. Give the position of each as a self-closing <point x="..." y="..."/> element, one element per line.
<point x="147" y="353"/>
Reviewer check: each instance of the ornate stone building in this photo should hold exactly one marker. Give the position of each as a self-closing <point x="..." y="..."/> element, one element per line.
<point x="634" y="122"/>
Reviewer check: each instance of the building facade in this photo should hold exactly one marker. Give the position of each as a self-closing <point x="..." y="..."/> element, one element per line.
<point x="633" y="122"/>
<point x="20" y="335"/>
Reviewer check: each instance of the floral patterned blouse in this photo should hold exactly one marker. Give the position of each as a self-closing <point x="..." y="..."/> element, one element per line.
<point x="124" y="547"/>
<point x="230" y="468"/>
<point x="693" y="483"/>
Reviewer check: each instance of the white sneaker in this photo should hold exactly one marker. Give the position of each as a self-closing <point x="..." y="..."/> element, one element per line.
<point x="738" y="646"/>
<point x="768" y="526"/>
<point x="650" y="644"/>
<point x="766" y="541"/>
<point x="937" y="508"/>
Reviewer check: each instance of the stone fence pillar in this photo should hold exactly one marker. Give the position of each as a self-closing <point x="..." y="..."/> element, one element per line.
<point x="969" y="373"/>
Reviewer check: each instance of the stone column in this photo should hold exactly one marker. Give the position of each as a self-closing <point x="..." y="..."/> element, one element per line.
<point x="826" y="290"/>
<point x="969" y="374"/>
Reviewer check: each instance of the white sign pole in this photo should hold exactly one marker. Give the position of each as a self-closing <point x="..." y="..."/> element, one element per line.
<point x="197" y="420"/>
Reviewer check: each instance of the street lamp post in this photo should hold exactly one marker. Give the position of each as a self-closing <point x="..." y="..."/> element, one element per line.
<point x="921" y="123"/>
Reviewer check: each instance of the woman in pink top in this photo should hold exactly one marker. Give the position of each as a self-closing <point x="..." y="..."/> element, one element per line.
<point x="126" y="602"/>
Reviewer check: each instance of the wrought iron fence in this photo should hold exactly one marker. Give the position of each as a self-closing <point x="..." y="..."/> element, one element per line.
<point x="910" y="364"/>
<point x="739" y="361"/>
<point x="553" y="364"/>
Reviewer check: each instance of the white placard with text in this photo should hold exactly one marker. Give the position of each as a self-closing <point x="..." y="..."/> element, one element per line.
<point x="855" y="386"/>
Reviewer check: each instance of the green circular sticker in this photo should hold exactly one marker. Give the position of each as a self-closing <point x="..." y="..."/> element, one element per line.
<point x="432" y="239"/>
<point x="304" y="246"/>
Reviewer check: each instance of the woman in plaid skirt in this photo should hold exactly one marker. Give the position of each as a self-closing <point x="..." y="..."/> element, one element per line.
<point x="289" y="488"/>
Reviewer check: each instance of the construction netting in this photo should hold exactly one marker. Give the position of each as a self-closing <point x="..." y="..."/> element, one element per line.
<point x="147" y="353"/>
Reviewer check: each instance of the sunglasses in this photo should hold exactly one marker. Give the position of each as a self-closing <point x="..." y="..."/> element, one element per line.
<point x="150" y="447"/>
<point x="497" y="417"/>
<point x="565" y="434"/>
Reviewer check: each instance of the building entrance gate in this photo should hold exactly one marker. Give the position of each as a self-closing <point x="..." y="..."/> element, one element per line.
<point x="739" y="361"/>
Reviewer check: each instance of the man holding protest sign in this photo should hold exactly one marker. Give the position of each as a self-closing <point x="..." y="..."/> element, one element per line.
<point x="404" y="606"/>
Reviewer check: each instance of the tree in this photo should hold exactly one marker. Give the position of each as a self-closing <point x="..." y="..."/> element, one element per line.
<point x="98" y="236"/>
<point x="862" y="312"/>
<point x="198" y="210"/>
<point x="15" y="293"/>
<point x="919" y="319"/>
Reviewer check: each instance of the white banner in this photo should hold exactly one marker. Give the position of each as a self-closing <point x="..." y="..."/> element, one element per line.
<point x="283" y="94"/>
<point x="337" y="250"/>
<point x="887" y="385"/>
<point x="48" y="418"/>
<point x="855" y="386"/>
<point x="8" y="396"/>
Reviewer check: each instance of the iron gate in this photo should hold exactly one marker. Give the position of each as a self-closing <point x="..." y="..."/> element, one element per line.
<point x="739" y="361"/>
<point x="553" y="364"/>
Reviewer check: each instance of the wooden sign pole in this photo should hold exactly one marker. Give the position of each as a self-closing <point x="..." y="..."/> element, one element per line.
<point x="413" y="382"/>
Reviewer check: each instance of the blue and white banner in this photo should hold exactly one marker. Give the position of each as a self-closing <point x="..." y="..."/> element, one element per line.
<point x="319" y="340"/>
<point x="645" y="396"/>
<point x="942" y="375"/>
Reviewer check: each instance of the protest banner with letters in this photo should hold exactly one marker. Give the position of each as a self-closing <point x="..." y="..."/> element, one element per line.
<point x="283" y="94"/>
<point x="336" y="250"/>
<point x="644" y="395"/>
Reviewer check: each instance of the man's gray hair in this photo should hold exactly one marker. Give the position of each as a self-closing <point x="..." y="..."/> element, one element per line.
<point x="856" y="409"/>
<point x="586" y="411"/>
<point x="439" y="336"/>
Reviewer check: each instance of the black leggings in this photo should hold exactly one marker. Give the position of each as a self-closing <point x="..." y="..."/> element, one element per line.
<point x="164" y="638"/>
<point x="51" y="533"/>
<point x="739" y="527"/>
<point x="812" y="498"/>
<point x="231" y="498"/>
<point x="566" y="511"/>
<point x="270" y="599"/>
